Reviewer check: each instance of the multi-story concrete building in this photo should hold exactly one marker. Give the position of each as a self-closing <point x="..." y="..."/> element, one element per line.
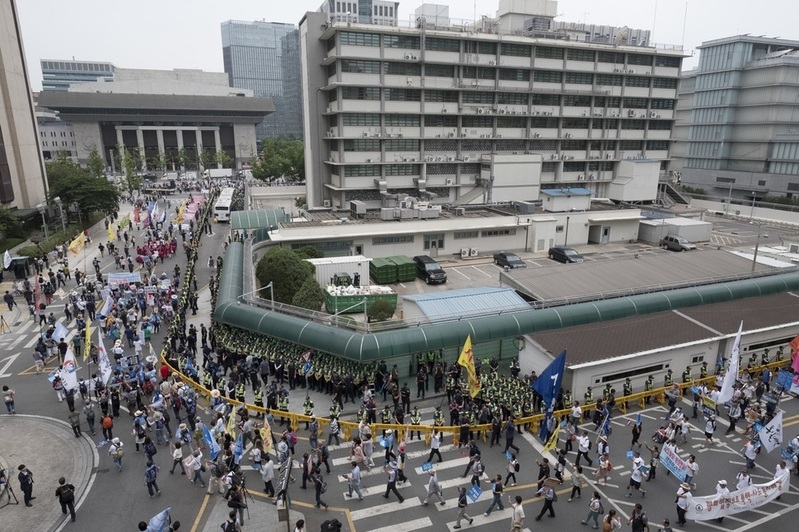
<point x="55" y="135"/>
<point x="23" y="182"/>
<point x="382" y="12"/>
<point x="457" y="116"/>
<point x="61" y="74"/>
<point x="737" y="133"/>
<point x="264" y="57"/>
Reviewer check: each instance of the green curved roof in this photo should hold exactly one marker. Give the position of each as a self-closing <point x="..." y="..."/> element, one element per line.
<point x="360" y="346"/>
<point x="263" y="219"/>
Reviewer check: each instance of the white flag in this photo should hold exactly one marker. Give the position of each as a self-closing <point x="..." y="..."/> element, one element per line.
<point x="107" y="306"/>
<point x="727" y="385"/>
<point x="69" y="371"/>
<point x="771" y="435"/>
<point x="102" y="359"/>
<point x="59" y="332"/>
<point x="6" y="260"/>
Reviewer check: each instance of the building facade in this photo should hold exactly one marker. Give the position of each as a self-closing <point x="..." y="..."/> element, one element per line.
<point x="61" y="74"/>
<point x="737" y="133"/>
<point x="264" y="57"/>
<point x="23" y="182"/>
<point x="380" y="12"/>
<point x="55" y="135"/>
<point x="472" y="117"/>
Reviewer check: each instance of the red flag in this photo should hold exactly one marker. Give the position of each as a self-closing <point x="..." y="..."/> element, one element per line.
<point x="794" y="350"/>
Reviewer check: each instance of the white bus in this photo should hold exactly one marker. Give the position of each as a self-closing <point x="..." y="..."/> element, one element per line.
<point x="222" y="205"/>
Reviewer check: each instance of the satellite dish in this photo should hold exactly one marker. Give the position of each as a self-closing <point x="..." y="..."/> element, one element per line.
<point x="622" y="35"/>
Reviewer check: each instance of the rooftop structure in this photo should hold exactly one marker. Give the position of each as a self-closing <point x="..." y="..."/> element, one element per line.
<point x="61" y="74"/>
<point x="382" y="12"/>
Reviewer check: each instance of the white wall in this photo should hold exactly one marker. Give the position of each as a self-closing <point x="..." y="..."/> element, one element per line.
<point x="638" y="181"/>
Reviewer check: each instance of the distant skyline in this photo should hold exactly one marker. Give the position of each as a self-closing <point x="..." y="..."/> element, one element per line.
<point x="186" y="34"/>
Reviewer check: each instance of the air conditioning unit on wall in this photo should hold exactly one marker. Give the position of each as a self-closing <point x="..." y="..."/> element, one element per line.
<point x="326" y="203"/>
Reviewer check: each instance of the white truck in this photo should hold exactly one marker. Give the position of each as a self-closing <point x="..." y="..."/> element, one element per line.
<point x="211" y="173"/>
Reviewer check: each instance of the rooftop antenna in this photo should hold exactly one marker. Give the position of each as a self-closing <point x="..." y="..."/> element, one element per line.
<point x="654" y="23"/>
<point x="684" y="23"/>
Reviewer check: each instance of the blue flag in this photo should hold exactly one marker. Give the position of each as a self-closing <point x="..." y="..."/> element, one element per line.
<point x="547" y="385"/>
<point x="212" y="443"/>
<point x="639" y="420"/>
<point x="238" y="448"/>
<point x="159" y="522"/>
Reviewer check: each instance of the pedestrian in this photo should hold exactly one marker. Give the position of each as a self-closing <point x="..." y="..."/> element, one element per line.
<point x="116" y="451"/>
<point x="88" y="411"/>
<point x="512" y="468"/>
<point x="462" y="504"/>
<point x="477" y="471"/>
<point x="9" y="299"/>
<point x="66" y="496"/>
<point x="610" y="522"/>
<point x="603" y="469"/>
<point x="74" y="422"/>
<point x="693" y="469"/>
<point x="194" y="463"/>
<point x="666" y="527"/>
<point x="25" y="478"/>
<point x="595" y="509"/>
<point x="150" y="478"/>
<point x="750" y="453"/>
<point x="235" y="500"/>
<point x="496" y="491"/>
<point x="549" y="498"/>
<point x="638" y="520"/>
<point x="107" y="422"/>
<point x="744" y="480"/>
<point x="734" y="414"/>
<point x="654" y="460"/>
<point x="721" y="492"/>
<point x="636" y="433"/>
<point x="517" y="519"/>
<point x="636" y="475"/>
<point x="391" y="485"/>
<point x="433" y="488"/>
<point x="268" y="475"/>
<point x="683" y="493"/>
<point x="8" y="399"/>
<point x="510" y="432"/>
<point x="583" y="446"/>
<point x="543" y="472"/>
<point x="231" y="525"/>
<point x="354" y="481"/>
<point x="300" y="526"/>
<point x="710" y="428"/>
<point x="435" y="443"/>
<point x="320" y="486"/>
<point x="578" y="483"/>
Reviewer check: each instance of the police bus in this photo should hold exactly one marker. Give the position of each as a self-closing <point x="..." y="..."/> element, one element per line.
<point x="223" y="204"/>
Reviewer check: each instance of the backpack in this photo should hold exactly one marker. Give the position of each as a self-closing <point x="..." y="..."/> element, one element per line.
<point x="516" y="466"/>
<point x="292" y="437"/>
<point x="66" y="494"/>
<point x="150" y="474"/>
<point x="601" y="509"/>
<point x="229" y="526"/>
<point x="324" y="487"/>
<point x="479" y="468"/>
<point x="152" y="450"/>
<point x="108" y="422"/>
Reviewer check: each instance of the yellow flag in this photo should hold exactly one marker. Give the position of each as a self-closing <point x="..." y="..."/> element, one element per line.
<point x="466" y="359"/>
<point x="125" y="221"/>
<point x="266" y="436"/>
<point x="552" y="442"/>
<point x="180" y="212"/>
<point x="231" y="424"/>
<point x="111" y="233"/>
<point x="87" y="339"/>
<point x="76" y="245"/>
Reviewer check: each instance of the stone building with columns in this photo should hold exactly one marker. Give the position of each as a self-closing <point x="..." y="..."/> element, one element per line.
<point x="161" y="122"/>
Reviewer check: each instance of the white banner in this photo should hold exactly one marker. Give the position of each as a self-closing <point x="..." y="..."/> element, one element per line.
<point x="124" y="278"/>
<point x="69" y="371"/>
<point x="727" y="385"/>
<point x="749" y="498"/>
<point x="102" y="359"/>
<point x="771" y="435"/>
<point x="672" y="461"/>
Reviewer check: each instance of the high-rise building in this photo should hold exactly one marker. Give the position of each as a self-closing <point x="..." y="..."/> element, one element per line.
<point x="455" y="116"/>
<point x="23" y="182"/>
<point x="737" y="133"/>
<point x="382" y="12"/>
<point x="263" y="57"/>
<point x="60" y="74"/>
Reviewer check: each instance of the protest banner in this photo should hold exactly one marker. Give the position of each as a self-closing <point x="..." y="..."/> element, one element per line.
<point x="120" y="279"/>
<point x="743" y="500"/>
<point x="672" y="461"/>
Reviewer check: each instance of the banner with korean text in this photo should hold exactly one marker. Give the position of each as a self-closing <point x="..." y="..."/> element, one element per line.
<point x="744" y="500"/>
<point x="672" y="461"/>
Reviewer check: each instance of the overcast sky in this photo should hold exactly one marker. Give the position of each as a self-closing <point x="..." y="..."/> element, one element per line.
<point x="167" y="34"/>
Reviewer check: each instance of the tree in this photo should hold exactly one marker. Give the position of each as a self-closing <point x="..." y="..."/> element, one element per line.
<point x="222" y="158"/>
<point x="207" y="158"/>
<point x="131" y="163"/>
<point x="160" y="161"/>
<point x="380" y="310"/>
<point x="10" y="225"/>
<point x="286" y="270"/>
<point x="74" y="184"/>
<point x="309" y="252"/>
<point x="184" y="158"/>
<point x="309" y="296"/>
<point x="281" y="157"/>
<point x="96" y="164"/>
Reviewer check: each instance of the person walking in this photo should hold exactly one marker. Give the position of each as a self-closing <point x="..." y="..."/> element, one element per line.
<point x="88" y="411"/>
<point x="750" y="453"/>
<point x="433" y="488"/>
<point x="116" y="451"/>
<point x="543" y="472"/>
<point x="583" y="446"/>
<point x="177" y="458"/>
<point x="194" y="464"/>
<point x="595" y="509"/>
<point x="435" y="444"/>
<point x="510" y="432"/>
<point x="496" y="491"/>
<point x="693" y="469"/>
<point x="391" y="485"/>
<point x="477" y="471"/>
<point x="710" y="428"/>
<point x="74" y="422"/>
<point x="683" y="493"/>
<point x="267" y="475"/>
<point x="549" y="498"/>
<point x="638" y="520"/>
<point x="462" y="504"/>
<point x="578" y="483"/>
<point x="319" y="486"/>
<point x="512" y="468"/>
<point x="8" y="399"/>
<point x="66" y="496"/>
<point x="354" y="481"/>
<point x="610" y="522"/>
<point x="150" y="478"/>
<point x="25" y="478"/>
<point x="107" y="423"/>
<point x="517" y="519"/>
<point x="636" y="475"/>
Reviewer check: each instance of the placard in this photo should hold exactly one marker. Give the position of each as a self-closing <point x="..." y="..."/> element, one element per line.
<point x="672" y="461"/>
<point x="427" y="466"/>
<point x="474" y="493"/>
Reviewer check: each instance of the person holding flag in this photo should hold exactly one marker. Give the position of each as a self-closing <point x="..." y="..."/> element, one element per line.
<point x="466" y="360"/>
<point x="548" y="385"/>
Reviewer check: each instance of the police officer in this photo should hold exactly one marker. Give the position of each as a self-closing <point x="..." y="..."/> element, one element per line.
<point x="627" y="389"/>
<point x="208" y="381"/>
<point x="405" y="395"/>
<point x="649" y="385"/>
<point x="668" y="380"/>
<point x="258" y="399"/>
<point x="283" y="406"/>
<point x="307" y="408"/>
<point x="221" y="385"/>
<point x="606" y="392"/>
<point x="588" y="399"/>
<point x="515" y="369"/>
<point x="385" y="417"/>
<point x="421" y="379"/>
<point x="703" y="370"/>
<point x="416" y="419"/>
<point x="240" y="390"/>
<point x="686" y="375"/>
<point x="438" y="417"/>
<point x="764" y="357"/>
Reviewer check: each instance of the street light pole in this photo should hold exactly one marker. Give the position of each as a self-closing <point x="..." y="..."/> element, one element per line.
<point x="60" y="206"/>
<point x="44" y="220"/>
<point x="271" y="288"/>
<point x="757" y="245"/>
<point x="752" y="213"/>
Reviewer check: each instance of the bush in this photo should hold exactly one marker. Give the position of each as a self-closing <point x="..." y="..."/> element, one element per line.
<point x="286" y="270"/>
<point x="380" y="310"/>
<point x="309" y="296"/>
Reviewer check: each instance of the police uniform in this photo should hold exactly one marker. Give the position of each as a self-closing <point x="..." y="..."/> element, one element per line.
<point x="416" y="419"/>
<point x="649" y="385"/>
<point x="588" y="398"/>
<point x="307" y="407"/>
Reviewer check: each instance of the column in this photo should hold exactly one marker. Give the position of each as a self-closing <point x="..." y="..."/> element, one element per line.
<point x="199" y="136"/>
<point x="120" y="141"/>
<point x="179" y="134"/>
<point x="140" y="142"/>
<point x="159" y="134"/>
<point x="217" y="143"/>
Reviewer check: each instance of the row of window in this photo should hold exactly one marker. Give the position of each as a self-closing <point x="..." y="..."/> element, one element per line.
<point x="363" y="66"/>
<point x="53" y="133"/>
<point x="414" y="145"/>
<point x="541" y="122"/>
<point x="439" y="44"/>
<point x="55" y="143"/>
